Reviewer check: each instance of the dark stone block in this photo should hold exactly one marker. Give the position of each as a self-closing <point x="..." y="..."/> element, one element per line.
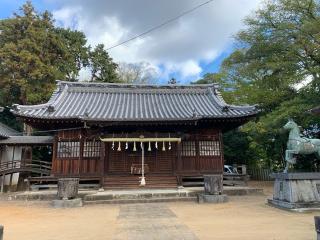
<point x="213" y="184"/>
<point x="68" y="188"/>
<point x="1" y="232"/>
<point x="208" y="198"/>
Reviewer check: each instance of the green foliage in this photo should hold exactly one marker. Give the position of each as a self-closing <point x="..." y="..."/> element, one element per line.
<point x="77" y="53"/>
<point x="278" y="50"/>
<point x="29" y="56"/>
<point x="103" y="69"/>
<point x="7" y="118"/>
<point x="34" y="53"/>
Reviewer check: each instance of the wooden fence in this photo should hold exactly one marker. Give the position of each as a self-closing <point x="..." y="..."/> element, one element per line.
<point x="260" y="174"/>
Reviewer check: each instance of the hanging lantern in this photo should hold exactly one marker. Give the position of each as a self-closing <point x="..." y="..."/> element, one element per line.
<point x="163" y="146"/>
<point x="156" y="145"/>
<point x="134" y="147"/>
<point x="112" y="146"/>
<point x="126" y="146"/>
<point x="119" y="147"/>
<point x="169" y="147"/>
<point x="149" y="147"/>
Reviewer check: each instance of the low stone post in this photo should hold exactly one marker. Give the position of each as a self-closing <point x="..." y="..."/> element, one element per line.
<point x="1" y="232"/>
<point x="317" y="226"/>
<point x="213" y="184"/>
<point x="68" y="188"/>
<point x="67" y="193"/>
<point x="213" y="189"/>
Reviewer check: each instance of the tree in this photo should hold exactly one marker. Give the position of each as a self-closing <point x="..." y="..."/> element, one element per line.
<point x="103" y="69"/>
<point x="278" y="50"/>
<point x="77" y="52"/>
<point x="142" y="72"/>
<point x="30" y="52"/>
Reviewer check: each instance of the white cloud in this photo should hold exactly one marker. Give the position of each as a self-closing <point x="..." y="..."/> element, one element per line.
<point x="190" y="68"/>
<point x="199" y="36"/>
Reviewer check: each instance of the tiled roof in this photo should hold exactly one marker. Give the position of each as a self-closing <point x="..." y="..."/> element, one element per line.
<point x="133" y="102"/>
<point x="6" y="131"/>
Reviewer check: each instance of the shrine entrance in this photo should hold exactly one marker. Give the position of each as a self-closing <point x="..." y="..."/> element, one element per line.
<point x="140" y="156"/>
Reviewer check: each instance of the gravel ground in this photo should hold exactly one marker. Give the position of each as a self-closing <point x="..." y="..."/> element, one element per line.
<point x="243" y="217"/>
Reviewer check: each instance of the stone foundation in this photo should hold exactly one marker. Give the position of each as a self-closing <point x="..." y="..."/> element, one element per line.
<point x="207" y="198"/>
<point x="67" y="203"/>
<point x="296" y="190"/>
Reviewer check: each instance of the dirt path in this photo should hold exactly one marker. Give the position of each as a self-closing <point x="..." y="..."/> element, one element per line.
<point x="246" y="217"/>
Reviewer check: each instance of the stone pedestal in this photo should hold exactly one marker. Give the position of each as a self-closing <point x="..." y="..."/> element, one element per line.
<point x="296" y="190"/>
<point x="213" y="184"/>
<point x="67" y="193"/>
<point x="213" y="188"/>
<point x="68" y="188"/>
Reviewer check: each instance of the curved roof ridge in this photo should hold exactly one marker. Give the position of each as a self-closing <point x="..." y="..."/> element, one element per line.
<point x="53" y="99"/>
<point x="135" y="85"/>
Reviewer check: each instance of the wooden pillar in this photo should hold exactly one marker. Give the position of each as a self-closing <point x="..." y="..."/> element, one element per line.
<point x="2" y="182"/>
<point x="13" y="150"/>
<point x="81" y="143"/>
<point x="10" y="183"/>
<point x="102" y="162"/>
<point x="175" y="147"/>
<point x="197" y="163"/>
<point x="221" y="151"/>
<point x="178" y="164"/>
<point x="54" y="163"/>
<point x="179" y="158"/>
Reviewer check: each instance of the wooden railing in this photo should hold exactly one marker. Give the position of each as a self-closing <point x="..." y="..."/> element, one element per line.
<point x="16" y="166"/>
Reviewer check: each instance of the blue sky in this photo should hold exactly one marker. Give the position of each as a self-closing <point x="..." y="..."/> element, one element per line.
<point x="186" y="49"/>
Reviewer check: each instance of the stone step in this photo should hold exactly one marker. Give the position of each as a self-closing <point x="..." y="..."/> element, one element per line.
<point x="133" y="181"/>
<point x="142" y="200"/>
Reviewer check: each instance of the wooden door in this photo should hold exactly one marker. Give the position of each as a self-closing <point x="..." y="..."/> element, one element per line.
<point x="157" y="160"/>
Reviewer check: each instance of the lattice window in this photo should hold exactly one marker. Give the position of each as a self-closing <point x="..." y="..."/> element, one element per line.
<point x="91" y="149"/>
<point x="188" y="148"/>
<point x="209" y="148"/>
<point x="70" y="149"/>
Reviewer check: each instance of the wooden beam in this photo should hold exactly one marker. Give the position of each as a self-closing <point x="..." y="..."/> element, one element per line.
<point x="141" y="140"/>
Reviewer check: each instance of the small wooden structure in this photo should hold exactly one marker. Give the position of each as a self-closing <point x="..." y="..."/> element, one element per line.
<point x="16" y="160"/>
<point x="104" y="131"/>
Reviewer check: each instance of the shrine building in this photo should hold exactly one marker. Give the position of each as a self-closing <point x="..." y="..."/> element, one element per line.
<point x="131" y="135"/>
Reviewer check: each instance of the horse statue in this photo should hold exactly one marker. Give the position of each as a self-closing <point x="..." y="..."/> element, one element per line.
<point x="298" y="145"/>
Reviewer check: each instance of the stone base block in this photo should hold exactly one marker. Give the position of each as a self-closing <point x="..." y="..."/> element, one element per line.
<point x="294" y="206"/>
<point x="207" y="198"/>
<point x="296" y="191"/>
<point x="70" y="203"/>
